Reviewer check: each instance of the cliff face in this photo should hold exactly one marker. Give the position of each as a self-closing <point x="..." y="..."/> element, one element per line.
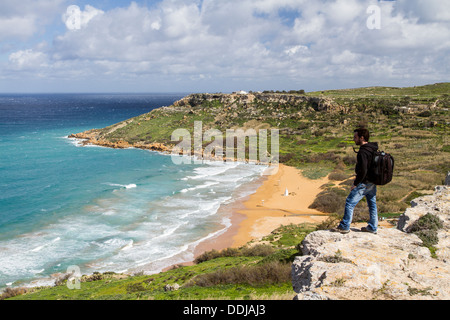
<point x="94" y="137"/>
<point x="311" y="103"/>
<point x="393" y="264"/>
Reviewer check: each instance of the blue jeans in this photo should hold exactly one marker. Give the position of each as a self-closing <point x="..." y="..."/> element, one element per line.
<point x="368" y="190"/>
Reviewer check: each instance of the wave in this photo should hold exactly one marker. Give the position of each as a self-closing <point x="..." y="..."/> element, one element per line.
<point x="184" y="253"/>
<point x="128" y="246"/>
<point x="168" y="232"/>
<point x="77" y="142"/>
<point x="126" y="186"/>
<point x="37" y="249"/>
<point x="211" y="169"/>
<point x="113" y="244"/>
<point x="109" y="213"/>
<point x="74" y="141"/>
<point x="37" y="271"/>
<point x="208" y="208"/>
<point x="206" y="185"/>
<point x="227" y="224"/>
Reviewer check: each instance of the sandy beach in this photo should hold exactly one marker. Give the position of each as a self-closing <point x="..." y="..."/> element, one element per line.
<point x="282" y="199"/>
<point x="269" y="207"/>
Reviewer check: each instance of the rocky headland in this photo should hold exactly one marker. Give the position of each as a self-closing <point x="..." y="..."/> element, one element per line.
<point x="393" y="264"/>
<point x="93" y="137"/>
<point x="214" y="110"/>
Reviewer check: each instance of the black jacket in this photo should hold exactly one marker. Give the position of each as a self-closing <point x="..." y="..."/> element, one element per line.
<point x="364" y="161"/>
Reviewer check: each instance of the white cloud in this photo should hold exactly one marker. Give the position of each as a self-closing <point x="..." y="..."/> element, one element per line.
<point x="425" y="11"/>
<point x="180" y="20"/>
<point x="21" y="20"/>
<point x="17" y="27"/>
<point x="27" y="59"/>
<point x="248" y="41"/>
<point x="299" y="49"/>
<point x="345" y="58"/>
<point x="341" y="12"/>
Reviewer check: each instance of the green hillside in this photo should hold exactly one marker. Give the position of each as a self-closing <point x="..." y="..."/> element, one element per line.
<point x="420" y="92"/>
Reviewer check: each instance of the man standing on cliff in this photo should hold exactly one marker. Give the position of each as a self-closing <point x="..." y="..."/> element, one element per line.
<point x="362" y="187"/>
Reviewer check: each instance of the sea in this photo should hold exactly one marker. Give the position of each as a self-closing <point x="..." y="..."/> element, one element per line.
<point x="96" y="209"/>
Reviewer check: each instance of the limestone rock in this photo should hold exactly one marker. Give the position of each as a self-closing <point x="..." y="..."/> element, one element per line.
<point x="171" y="287"/>
<point x="93" y="137"/>
<point x="437" y="204"/>
<point x="392" y="264"/>
<point x="389" y="265"/>
<point x="310" y="295"/>
<point x="318" y="103"/>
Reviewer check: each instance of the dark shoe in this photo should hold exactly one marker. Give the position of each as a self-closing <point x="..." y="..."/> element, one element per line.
<point x="343" y="231"/>
<point x="366" y="229"/>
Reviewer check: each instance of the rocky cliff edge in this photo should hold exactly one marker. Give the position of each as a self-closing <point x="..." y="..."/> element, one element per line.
<point x="393" y="264"/>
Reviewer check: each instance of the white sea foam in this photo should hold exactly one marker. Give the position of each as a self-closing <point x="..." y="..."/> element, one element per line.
<point x="212" y="169"/>
<point x="205" y="185"/>
<point x="37" y="271"/>
<point x="109" y="212"/>
<point x="184" y="253"/>
<point x="167" y="232"/>
<point x="115" y="243"/>
<point x="129" y="245"/>
<point x="39" y="248"/>
<point x="126" y="186"/>
<point x="76" y="142"/>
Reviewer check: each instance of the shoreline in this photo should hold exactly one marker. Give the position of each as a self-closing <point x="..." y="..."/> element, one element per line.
<point x="237" y="217"/>
<point x="252" y="218"/>
<point x="249" y="217"/>
<point x="225" y="239"/>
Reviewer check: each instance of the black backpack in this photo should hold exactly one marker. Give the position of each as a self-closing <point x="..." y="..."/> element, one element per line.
<point x="382" y="168"/>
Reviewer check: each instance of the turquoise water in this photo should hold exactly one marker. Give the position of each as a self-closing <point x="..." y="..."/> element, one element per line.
<point x="96" y="208"/>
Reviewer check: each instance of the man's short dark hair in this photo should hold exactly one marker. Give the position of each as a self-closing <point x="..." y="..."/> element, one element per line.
<point x="363" y="133"/>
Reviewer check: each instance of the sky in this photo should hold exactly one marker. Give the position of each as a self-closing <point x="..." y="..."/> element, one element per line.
<point x="57" y="46"/>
